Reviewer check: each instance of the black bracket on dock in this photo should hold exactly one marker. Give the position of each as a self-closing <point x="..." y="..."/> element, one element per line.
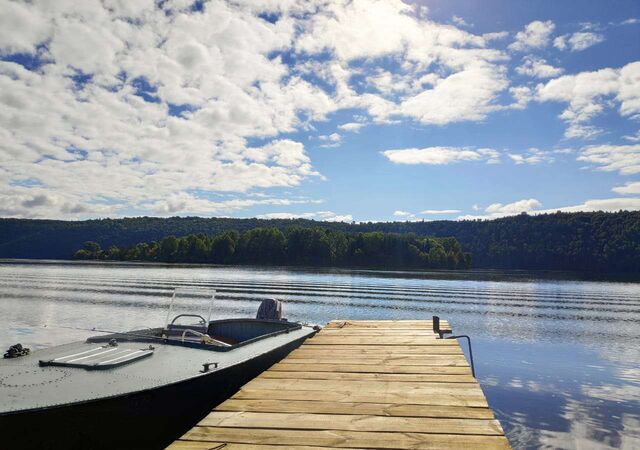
<point x="436" y="329"/>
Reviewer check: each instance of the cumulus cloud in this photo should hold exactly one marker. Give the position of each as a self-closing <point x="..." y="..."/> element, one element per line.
<point x="448" y="75"/>
<point x="351" y="126"/>
<point x="327" y="216"/>
<point x="532" y="156"/>
<point x="535" y="35"/>
<point x="513" y="208"/>
<point x="409" y="216"/>
<point x="429" y="212"/>
<point x="159" y="107"/>
<point x="533" y="206"/>
<point x="130" y="108"/>
<point x="588" y="94"/>
<point x="538" y="68"/>
<point x="459" y="21"/>
<point x="631" y="188"/>
<point x="440" y="155"/>
<point x="149" y="106"/>
<point x="577" y="41"/>
<point x="607" y="205"/>
<point x="624" y="159"/>
<point x="330" y="140"/>
<point x="496" y="210"/>
<point x="630" y="21"/>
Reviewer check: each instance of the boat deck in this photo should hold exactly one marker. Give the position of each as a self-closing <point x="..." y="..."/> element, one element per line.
<point x="358" y="385"/>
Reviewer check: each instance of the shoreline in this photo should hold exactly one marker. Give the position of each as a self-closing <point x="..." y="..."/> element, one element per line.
<point x="515" y="275"/>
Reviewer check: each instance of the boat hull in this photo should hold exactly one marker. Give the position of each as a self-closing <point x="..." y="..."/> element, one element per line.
<point x="149" y="419"/>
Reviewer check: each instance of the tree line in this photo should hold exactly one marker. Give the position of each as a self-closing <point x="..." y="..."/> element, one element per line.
<point x="601" y="242"/>
<point x="296" y="246"/>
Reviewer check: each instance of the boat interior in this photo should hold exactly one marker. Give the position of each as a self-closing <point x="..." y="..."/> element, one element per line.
<point x="216" y="335"/>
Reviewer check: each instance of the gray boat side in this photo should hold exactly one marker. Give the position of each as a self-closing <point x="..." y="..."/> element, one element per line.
<point x="137" y="361"/>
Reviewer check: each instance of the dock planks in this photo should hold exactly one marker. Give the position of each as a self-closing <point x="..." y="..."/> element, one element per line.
<point x="358" y="385"/>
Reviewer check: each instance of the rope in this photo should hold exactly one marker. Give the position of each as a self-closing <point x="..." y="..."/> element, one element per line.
<point x="15" y="351"/>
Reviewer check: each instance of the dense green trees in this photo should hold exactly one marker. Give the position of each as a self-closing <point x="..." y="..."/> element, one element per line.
<point x="593" y="241"/>
<point x="296" y="246"/>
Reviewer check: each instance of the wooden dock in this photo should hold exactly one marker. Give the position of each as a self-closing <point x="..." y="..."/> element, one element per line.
<point x="358" y="385"/>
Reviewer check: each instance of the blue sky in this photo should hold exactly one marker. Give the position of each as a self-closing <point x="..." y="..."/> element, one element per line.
<point x="359" y="110"/>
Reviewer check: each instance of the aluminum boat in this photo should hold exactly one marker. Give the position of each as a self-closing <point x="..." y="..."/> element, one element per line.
<point x="139" y="389"/>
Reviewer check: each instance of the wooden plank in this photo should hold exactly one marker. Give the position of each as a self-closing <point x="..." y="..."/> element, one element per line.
<point x="445" y="345"/>
<point x="434" y="360"/>
<point x="377" y="332"/>
<point x="365" y="340"/>
<point x="422" y="398"/>
<point x="205" y="445"/>
<point x="372" y="409"/>
<point x="289" y="366"/>
<point x="414" y="378"/>
<point x="370" y="386"/>
<point x="352" y="422"/>
<point x="387" y="324"/>
<point x="347" y="439"/>
<point x="425" y="351"/>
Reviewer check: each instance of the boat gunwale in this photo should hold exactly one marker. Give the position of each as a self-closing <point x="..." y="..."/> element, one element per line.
<point x="138" y="335"/>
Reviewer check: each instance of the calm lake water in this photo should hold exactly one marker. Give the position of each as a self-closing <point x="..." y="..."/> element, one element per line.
<point x="558" y="360"/>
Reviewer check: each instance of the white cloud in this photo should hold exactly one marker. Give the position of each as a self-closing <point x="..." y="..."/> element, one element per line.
<point x="429" y="212"/>
<point x="459" y="21"/>
<point x="624" y="159"/>
<point x="327" y="216"/>
<point x="351" y="126"/>
<point x="374" y="29"/>
<point x="496" y="210"/>
<point x="138" y="104"/>
<point x="535" y="35"/>
<point x="607" y="205"/>
<point x="149" y="107"/>
<point x="96" y="146"/>
<point x="409" y="216"/>
<point x="630" y="188"/>
<point x="538" y="68"/>
<point x="465" y="95"/>
<point x="532" y="156"/>
<point x="513" y="208"/>
<point x="22" y="27"/>
<point x="495" y="36"/>
<point x="522" y="96"/>
<point x="532" y="206"/>
<point x="331" y="140"/>
<point x="440" y="155"/>
<point x="633" y="137"/>
<point x="577" y="41"/>
<point x="589" y="93"/>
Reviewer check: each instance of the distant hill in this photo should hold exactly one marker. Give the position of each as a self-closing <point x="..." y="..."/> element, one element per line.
<point x="594" y="241"/>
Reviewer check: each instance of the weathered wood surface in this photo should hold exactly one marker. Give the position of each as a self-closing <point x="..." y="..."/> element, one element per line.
<point x="358" y="385"/>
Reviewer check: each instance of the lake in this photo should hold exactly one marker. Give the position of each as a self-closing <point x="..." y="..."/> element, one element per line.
<point x="559" y="360"/>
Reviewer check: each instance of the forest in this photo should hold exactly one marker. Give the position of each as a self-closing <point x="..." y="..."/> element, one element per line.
<point x="600" y="242"/>
<point x="297" y="246"/>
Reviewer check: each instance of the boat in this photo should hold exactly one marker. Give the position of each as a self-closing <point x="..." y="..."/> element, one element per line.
<point x="139" y="389"/>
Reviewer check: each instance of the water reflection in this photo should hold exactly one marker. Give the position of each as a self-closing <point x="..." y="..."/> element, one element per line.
<point x="557" y="359"/>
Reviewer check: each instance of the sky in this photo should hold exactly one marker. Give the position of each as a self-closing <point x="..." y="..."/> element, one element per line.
<point x="341" y="111"/>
